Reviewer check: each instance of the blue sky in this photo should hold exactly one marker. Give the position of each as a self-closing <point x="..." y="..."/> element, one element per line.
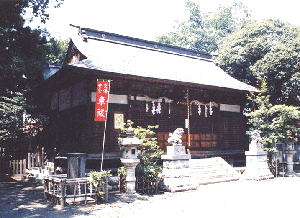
<point x="149" y="19"/>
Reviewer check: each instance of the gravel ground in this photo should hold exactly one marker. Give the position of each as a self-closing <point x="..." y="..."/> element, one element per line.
<point x="276" y="197"/>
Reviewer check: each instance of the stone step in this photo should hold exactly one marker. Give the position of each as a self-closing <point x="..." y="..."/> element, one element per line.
<point x="207" y="162"/>
<point x="209" y="171"/>
<point x="180" y="184"/>
<point x="212" y="170"/>
<point x="216" y="176"/>
<point x="217" y="180"/>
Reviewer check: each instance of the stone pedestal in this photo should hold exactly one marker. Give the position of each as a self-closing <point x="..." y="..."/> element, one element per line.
<point x="257" y="166"/>
<point x="289" y="163"/>
<point x="176" y="173"/>
<point x="176" y="158"/>
<point x="256" y="160"/>
<point x="130" y="165"/>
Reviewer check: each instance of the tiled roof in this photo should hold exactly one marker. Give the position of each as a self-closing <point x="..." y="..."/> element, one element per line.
<point x="127" y="59"/>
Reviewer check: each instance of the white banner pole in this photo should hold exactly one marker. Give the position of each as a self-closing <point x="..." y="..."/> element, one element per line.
<point x="102" y="156"/>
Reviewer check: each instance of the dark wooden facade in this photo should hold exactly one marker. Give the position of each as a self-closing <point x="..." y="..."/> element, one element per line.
<point x="68" y="99"/>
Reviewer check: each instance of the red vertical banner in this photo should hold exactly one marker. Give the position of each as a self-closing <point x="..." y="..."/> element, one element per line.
<point x="101" y="105"/>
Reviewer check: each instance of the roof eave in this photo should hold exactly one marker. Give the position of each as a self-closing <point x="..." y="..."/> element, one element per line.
<point x="151" y="79"/>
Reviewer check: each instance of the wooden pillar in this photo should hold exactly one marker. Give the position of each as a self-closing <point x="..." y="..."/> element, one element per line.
<point x="188" y="118"/>
<point x="29" y="161"/>
<point x="24" y="166"/>
<point x="32" y="159"/>
<point x="21" y="167"/>
<point x="63" y="192"/>
<point x="38" y="159"/>
<point x="43" y="150"/>
<point x="17" y="166"/>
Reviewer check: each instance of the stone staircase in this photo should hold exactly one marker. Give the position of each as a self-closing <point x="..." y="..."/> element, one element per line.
<point x="199" y="172"/>
<point x="212" y="170"/>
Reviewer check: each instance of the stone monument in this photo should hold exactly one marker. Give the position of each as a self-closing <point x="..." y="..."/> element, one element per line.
<point x="130" y="151"/>
<point x="176" y="176"/>
<point x="256" y="160"/>
<point x="76" y="165"/>
<point x="76" y="168"/>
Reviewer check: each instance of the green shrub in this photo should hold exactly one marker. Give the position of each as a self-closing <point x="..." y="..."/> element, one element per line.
<point x="98" y="180"/>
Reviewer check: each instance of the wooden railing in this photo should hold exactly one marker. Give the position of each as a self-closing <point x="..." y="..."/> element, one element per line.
<point x="57" y="188"/>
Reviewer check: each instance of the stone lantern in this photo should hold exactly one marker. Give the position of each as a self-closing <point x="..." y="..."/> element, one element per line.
<point x="289" y="151"/>
<point x="130" y="151"/>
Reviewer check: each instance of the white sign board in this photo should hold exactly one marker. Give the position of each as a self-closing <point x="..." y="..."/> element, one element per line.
<point x="113" y="99"/>
<point x="230" y="108"/>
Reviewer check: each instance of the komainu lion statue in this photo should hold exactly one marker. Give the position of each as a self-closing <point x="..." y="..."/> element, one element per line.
<point x="175" y="137"/>
<point x="255" y="141"/>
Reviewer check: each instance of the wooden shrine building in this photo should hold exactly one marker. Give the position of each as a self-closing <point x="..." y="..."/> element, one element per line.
<point x="151" y="84"/>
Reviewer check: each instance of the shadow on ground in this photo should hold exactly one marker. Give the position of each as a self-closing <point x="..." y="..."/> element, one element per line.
<point x="24" y="198"/>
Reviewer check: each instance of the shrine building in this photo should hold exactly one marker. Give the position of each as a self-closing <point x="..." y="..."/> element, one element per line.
<point x="150" y="84"/>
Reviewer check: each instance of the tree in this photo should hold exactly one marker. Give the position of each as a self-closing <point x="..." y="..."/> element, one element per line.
<point x="22" y="54"/>
<point x="57" y="50"/>
<point x="273" y="122"/>
<point x="11" y="112"/>
<point x="265" y="51"/>
<point x="204" y="31"/>
<point x="22" y="50"/>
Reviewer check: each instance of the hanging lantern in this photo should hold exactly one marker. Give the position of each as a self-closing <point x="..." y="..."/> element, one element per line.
<point x="210" y="109"/>
<point x="206" y="110"/>
<point x="147" y="107"/>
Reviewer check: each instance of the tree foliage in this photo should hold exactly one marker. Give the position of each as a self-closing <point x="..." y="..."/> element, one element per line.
<point x="265" y="51"/>
<point x="57" y="50"/>
<point x="23" y="52"/>
<point x="204" y="31"/>
<point x="11" y="113"/>
<point x="274" y="122"/>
